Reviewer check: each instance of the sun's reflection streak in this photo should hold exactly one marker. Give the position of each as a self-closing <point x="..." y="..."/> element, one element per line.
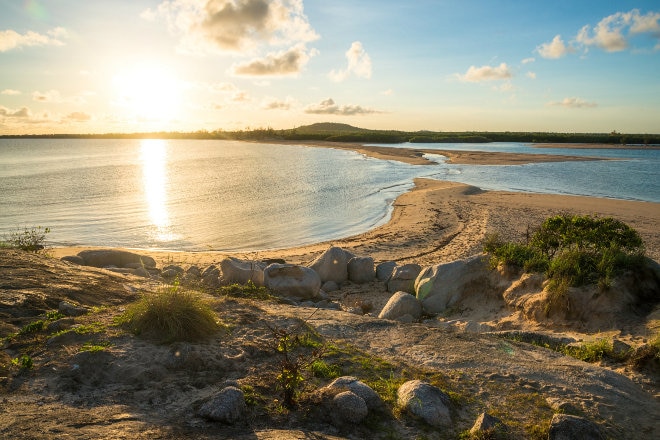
<point x="153" y="155"/>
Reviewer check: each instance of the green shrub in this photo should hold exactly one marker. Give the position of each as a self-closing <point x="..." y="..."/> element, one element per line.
<point x="29" y="239"/>
<point x="174" y="314"/>
<point x="573" y="250"/>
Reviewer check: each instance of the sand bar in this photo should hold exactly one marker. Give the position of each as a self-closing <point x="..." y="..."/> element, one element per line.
<point x="415" y="156"/>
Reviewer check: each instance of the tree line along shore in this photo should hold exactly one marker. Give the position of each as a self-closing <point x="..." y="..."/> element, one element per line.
<point x="334" y="132"/>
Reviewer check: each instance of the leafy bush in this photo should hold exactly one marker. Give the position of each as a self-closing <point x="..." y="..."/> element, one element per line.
<point x="172" y="315"/>
<point x="29" y="239"/>
<point x="573" y="250"/>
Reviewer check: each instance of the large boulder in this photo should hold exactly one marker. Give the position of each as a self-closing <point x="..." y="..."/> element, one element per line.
<point x="384" y="270"/>
<point x="403" y="278"/>
<point x="242" y="271"/>
<point x="443" y="285"/>
<point x="567" y="427"/>
<point x="401" y="304"/>
<point x="425" y="401"/>
<point x="116" y="258"/>
<point x="361" y="270"/>
<point x="349" y="407"/>
<point x="332" y="265"/>
<point x="292" y="281"/>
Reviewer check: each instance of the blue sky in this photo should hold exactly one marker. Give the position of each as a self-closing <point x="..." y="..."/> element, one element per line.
<point x="70" y="66"/>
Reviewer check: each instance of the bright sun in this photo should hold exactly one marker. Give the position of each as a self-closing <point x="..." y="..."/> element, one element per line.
<point x="150" y="94"/>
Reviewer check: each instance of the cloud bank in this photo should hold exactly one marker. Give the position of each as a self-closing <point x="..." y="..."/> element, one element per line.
<point x="234" y="25"/>
<point x="611" y="34"/>
<point x="573" y="103"/>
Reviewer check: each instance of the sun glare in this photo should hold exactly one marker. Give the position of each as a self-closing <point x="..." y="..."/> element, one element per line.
<point x="150" y="94"/>
<point x="153" y="155"/>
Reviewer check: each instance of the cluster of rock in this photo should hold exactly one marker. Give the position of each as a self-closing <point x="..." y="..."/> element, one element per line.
<point x="349" y="401"/>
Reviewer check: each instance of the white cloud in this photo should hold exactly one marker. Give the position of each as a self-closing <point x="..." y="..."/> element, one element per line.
<point x="388" y="92"/>
<point x="329" y="107"/>
<point x="235" y="25"/>
<point x="487" y="73"/>
<point x="608" y="34"/>
<point x="531" y="75"/>
<point x="49" y="96"/>
<point x="359" y="64"/>
<point x="79" y="117"/>
<point x="23" y="112"/>
<point x="528" y="60"/>
<point x="573" y="103"/>
<point x="285" y="63"/>
<point x="10" y="39"/>
<point x="11" y="92"/>
<point x="554" y="49"/>
<point x="270" y="103"/>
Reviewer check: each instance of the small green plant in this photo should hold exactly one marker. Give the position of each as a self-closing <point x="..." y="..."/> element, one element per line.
<point x="297" y="350"/>
<point x="174" y="314"/>
<point x="591" y="351"/>
<point x="323" y="370"/>
<point x="30" y="239"/>
<point x="23" y="362"/>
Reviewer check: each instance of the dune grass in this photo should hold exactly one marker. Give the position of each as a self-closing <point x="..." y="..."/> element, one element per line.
<point x="172" y="314"/>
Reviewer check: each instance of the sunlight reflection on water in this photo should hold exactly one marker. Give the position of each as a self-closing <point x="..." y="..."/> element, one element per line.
<point x="153" y="158"/>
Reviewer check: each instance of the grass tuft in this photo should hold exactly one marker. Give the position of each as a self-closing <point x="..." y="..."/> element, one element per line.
<point x="174" y="314"/>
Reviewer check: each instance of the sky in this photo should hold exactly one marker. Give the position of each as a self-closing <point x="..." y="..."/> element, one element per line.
<point x="108" y="66"/>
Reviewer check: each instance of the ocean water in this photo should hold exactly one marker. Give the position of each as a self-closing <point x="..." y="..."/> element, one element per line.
<point x="244" y="197"/>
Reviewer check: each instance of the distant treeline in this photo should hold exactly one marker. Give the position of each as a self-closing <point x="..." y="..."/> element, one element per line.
<point x="346" y="133"/>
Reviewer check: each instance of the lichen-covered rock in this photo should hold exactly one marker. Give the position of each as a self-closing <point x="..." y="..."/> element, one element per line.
<point x="425" y="401"/>
<point x="400" y="304"/>
<point x="403" y="278"/>
<point x="228" y="406"/>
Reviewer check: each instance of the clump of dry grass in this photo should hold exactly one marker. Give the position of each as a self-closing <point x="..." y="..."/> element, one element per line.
<point x="173" y="314"/>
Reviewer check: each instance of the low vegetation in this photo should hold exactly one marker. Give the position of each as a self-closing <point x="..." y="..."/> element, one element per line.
<point x="29" y="239"/>
<point x="173" y="314"/>
<point x="573" y="250"/>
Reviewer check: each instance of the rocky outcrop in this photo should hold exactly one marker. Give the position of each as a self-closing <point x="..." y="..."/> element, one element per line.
<point x="403" y="278"/>
<point x="487" y="424"/>
<point x="332" y="265"/>
<point x="425" y="401"/>
<point x="290" y="280"/>
<point x="242" y="271"/>
<point x="401" y="304"/>
<point x="567" y="427"/>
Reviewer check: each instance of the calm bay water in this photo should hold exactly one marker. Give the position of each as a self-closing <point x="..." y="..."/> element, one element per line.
<point x="202" y="195"/>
